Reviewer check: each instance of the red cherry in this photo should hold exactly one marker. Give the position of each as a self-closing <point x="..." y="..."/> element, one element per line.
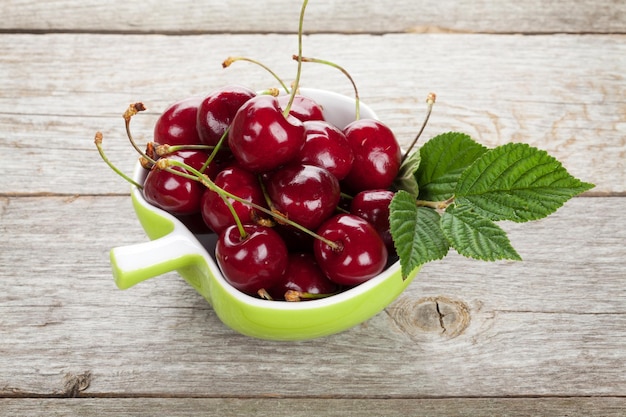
<point x="261" y="138"/>
<point x="373" y="206"/>
<point x="177" y="124"/>
<point x="177" y="195"/>
<point x="296" y="239"/>
<point x="326" y="146"/>
<point x="304" y="108"/>
<point x="257" y="261"/>
<point x="303" y="275"/>
<point x="306" y="194"/>
<point x="361" y="254"/>
<point x="217" y="110"/>
<point x="377" y="155"/>
<point x="195" y="223"/>
<point x="171" y="192"/>
<point x="239" y="182"/>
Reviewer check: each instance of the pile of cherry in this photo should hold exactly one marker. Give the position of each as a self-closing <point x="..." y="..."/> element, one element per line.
<point x="311" y="217"/>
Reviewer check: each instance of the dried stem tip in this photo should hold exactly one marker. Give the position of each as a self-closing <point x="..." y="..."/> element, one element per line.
<point x="98" y="138"/>
<point x="145" y="162"/>
<point x="162" y="150"/>
<point x="151" y="153"/>
<point x="227" y="62"/>
<point x="264" y="294"/>
<point x="293" y="296"/>
<point x="272" y="91"/>
<point x="163" y="163"/>
<point x="132" y="110"/>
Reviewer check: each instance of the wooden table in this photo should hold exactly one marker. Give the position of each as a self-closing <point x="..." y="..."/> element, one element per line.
<point x="546" y="336"/>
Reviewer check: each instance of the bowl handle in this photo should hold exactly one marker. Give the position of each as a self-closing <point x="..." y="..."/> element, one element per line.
<point x="135" y="263"/>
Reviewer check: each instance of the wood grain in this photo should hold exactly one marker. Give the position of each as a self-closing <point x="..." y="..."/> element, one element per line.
<point x="498" y="89"/>
<point x="543" y="337"/>
<point x="335" y="16"/>
<point x="552" y="325"/>
<point x="304" y="407"/>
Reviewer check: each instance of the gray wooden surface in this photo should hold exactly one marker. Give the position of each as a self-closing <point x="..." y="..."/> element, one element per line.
<point x="546" y="336"/>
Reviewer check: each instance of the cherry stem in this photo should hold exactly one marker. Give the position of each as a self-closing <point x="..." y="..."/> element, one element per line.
<point x="225" y="194"/>
<point x="216" y="149"/>
<point x="264" y="294"/>
<point x="242" y="232"/>
<point x="294" y="296"/>
<point x="128" y="114"/>
<point x="345" y="72"/>
<point x="132" y="110"/>
<point x="437" y="205"/>
<point x="266" y="196"/>
<point x="232" y="59"/>
<point x="430" y="101"/>
<point x="296" y="82"/>
<point x="163" y="150"/>
<point x="98" y="142"/>
<point x="274" y="92"/>
<point x="165" y="163"/>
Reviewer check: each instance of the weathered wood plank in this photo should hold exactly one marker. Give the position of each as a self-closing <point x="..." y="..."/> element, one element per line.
<point x="565" y="94"/>
<point x="346" y="16"/>
<point x="542" y="337"/>
<point x="553" y="325"/>
<point x="304" y="407"/>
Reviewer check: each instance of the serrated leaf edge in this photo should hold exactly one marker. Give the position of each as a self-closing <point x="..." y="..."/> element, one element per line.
<point x="512" y="193"/>
<point x="475" y="249"/>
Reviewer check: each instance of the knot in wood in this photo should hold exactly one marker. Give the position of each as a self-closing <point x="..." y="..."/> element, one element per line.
<point x="440" y="314"/>
<point x="75" y="384"/>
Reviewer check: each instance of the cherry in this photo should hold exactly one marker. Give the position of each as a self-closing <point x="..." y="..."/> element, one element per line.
<point x="377" y="155"/>
<point x="326" y="146"/>
<point x="253" y="262"/>
<point x="261" y="138"/>
<point x="174" y="193"/>
<point x="302" y="107"/>
<point x="360" y="253"/>
<point x="305" y="194"/>
<point x="239" y="182"/>
<point x="373" y="206"/>
<point x="303" y="276"/>
<point x="296" y="239"/>
<point x="217" y="110"/>
<point x="177" y="124"/>
<point x="195" y="223"/>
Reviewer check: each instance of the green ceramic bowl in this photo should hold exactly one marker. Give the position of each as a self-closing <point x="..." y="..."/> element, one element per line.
<point x="174" y="248"/>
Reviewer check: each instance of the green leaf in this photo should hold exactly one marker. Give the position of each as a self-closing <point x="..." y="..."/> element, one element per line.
<point x="475" y="236"/>
<point x="516" y="182"/>
<point x="405" y="180"/>
<point x="444" y="158"/>
<point x="416" y="232"/>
